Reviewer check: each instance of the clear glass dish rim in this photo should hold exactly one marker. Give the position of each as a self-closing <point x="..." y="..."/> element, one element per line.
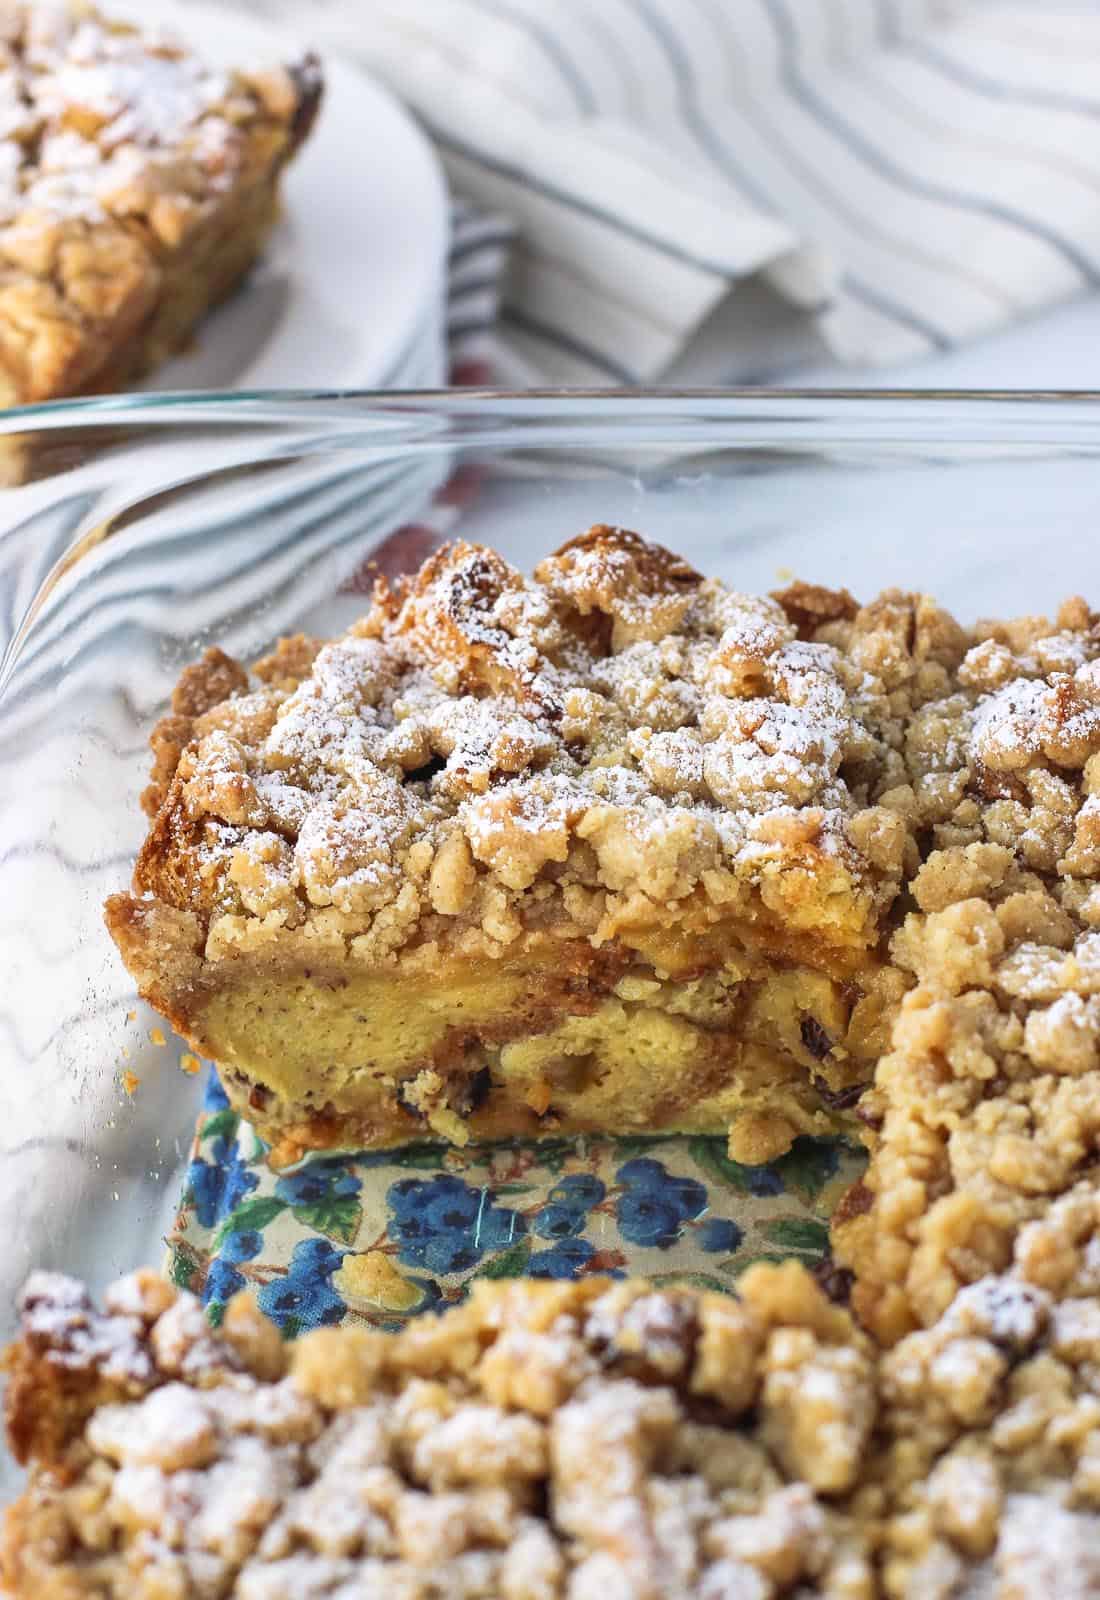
<point x="861" y="424"/>
<point x="922" y="413"/>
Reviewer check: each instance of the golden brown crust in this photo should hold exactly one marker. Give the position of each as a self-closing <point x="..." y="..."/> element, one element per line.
<point x="203" y="686"/>
<point x="810" y="605"/>
<point x="139" y="188"/>
<point x="709" y="789"/>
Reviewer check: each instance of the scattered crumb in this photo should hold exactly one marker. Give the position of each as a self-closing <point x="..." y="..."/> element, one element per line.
<point x="373" y="1278"/>
<point x="156" y="1036"/>
<point x="190" y="1063"/>
<point x="130" y="1081"/>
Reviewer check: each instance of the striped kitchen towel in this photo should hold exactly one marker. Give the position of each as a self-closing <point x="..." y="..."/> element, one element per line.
<point x="907" y="174"/>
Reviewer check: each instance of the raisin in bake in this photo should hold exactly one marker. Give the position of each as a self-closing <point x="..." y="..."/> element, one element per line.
<point x="602" y="850"/>
<point x="137" y="187"/>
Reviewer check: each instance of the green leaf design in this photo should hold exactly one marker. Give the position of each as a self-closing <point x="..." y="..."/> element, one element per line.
<point x="215" y="1311"/>
<point x="255" y="1213"/>
<point x="181" y="1269"/>
<point x="771" y="1257"/>
<point x="810" y="1164"/>
<point x="339" y="1217"/>
<point x="418" y="1155"/>
<point x="636" y="1144"/>
<point x="510" y="1263"/>
<point x="221" y="1123"/>
<point x="552" y="1154"/>
<point x="798" y="1233"/>
<point x="690" y="1280"/>
<point x="709" y="1155"/>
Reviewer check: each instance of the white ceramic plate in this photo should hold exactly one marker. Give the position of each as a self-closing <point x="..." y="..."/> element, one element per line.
<point x="349" y="293"/>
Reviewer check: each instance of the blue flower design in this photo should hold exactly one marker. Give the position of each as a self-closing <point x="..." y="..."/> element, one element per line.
<point x="445" y="1225"/>
<point x="223" y="1281"/>
<point x="763" y="1181"/>
<point x="655" y="1204"/>
<point x="315" y="1258"/>
<point x="217" y="1187"/>
<point x="582" y="1189"/>
<point x="566" y="1259"/>
<point x="719" y="1233"/>
<point x="244" y="1244"/>
<point x="305" y="1298"/>
<point x="214" y="1097"/>
<point x="319" y="1181"/>
<point x="559" y="1222"/>
<point x="568" y="1204"/>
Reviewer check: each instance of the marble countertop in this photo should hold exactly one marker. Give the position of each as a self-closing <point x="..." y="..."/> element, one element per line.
<point x="755" y="338"/>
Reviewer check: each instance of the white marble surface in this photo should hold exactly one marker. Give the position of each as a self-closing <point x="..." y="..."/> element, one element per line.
<point x="755" y="338"/>
<point x="1058" y="350"/>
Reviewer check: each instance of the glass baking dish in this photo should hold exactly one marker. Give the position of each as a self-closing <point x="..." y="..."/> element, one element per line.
<point x="135" y="531"/>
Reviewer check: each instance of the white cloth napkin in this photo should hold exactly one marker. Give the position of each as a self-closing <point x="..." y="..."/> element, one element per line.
<point x="904" y="174"/>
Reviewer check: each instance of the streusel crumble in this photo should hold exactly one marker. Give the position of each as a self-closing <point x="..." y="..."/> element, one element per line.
<point x="597" y="850"/>
<point x="137" y="186"/>
<point x="621" y="848"/>
<point x="541" y="1441"/>
<point x="987" y="1105"/>
<point x="991" y="1428"/>
<point x="569" y="1442"/>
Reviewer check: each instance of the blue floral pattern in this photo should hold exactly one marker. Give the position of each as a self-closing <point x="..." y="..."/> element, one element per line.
<point x="383" y="1236"/>
<point x="447" y="1226"/>
<point x="304" y="1297"/>
<point x="654" y="1204"/>
<point x="217" y="1185"/>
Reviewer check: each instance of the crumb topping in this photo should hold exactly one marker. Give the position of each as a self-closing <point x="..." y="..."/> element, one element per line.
<point x="616" y="726"/>
<point x="99" y="120"/>
<point x="621" y="753"/>
<point x="539" y="1441"/>
<point x="994" y="1425"/>
<point x="565" y="1440"/>
<point x="987" y="1105"/>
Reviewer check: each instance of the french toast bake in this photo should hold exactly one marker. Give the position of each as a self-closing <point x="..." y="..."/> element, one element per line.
<point x="619" y="848"/>
<point x="600" y="850"/>
<point x="137" y="187"/>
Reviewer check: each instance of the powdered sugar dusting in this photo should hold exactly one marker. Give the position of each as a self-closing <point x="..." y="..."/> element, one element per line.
<point x="57" y="1319"/>
<point x="95" y="115"/>
<point x="627" y="748"/>
<point x="511" y="1450"/>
